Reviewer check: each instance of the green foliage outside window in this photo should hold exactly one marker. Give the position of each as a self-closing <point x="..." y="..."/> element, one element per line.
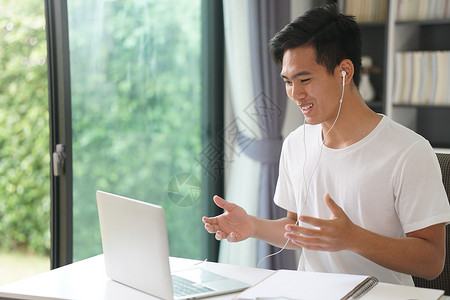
<point x="24" y="130"/>
<point x="136" y="116"/>
<point x="136" y="111"/>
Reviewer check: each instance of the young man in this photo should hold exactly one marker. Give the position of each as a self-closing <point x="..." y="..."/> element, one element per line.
<point x="363" y="194"/>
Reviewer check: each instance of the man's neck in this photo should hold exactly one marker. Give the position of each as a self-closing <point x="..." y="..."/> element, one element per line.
<point x="355" y="122"/>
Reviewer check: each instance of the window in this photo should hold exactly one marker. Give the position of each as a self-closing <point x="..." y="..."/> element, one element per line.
<point x="139" y="118"/>
<point x="24" y="140"/>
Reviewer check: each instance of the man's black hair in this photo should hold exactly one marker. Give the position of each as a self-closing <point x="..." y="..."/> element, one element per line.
<point x="334" y="37"/>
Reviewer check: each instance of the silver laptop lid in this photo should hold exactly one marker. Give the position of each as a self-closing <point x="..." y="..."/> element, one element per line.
<point x="135" y="245"/>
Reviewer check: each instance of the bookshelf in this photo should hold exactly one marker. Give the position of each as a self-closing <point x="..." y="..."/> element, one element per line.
<point x="408" y="40"/>
<point x="374" y="46"/>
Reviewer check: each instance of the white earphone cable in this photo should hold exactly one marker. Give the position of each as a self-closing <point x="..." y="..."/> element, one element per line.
<point x="314" y="170"/>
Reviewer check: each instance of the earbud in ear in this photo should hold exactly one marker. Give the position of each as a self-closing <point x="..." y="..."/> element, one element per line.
<point x="343" y="73"/>
<point x="343" y="77"/>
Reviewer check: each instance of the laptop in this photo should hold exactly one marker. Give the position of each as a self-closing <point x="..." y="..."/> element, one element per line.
<point x="136" y="252"/>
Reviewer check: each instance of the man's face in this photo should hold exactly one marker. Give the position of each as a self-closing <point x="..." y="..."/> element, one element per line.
<point x="315" y="91"/>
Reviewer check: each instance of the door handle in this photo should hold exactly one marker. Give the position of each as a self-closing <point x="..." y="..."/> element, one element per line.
<point x="59" y="157"/>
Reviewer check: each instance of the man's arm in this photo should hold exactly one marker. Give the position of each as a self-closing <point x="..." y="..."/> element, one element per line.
<point x="421" y="253"/>
<point x="273" y="231"/>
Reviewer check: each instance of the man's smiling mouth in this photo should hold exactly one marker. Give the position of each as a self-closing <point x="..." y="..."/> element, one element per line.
<point x="306" y="107"/>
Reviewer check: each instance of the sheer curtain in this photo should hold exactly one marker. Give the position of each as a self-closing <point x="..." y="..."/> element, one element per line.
<point x="259" y="100"/>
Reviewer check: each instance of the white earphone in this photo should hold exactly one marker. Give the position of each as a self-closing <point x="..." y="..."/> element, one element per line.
<point x="343" y="73"/>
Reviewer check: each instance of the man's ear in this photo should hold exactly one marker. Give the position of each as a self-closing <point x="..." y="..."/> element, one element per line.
<point x="346" y="65"/>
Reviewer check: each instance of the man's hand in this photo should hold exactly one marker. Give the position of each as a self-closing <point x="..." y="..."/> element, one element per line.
<point x="328" y="235"/>
<point x="234" y="224"/>
<point x="421" y="253"/>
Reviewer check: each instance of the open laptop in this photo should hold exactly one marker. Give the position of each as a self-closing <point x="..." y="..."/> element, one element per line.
<point x="136" y="251"/>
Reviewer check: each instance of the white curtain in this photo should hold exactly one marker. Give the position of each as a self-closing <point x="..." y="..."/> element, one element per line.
<point x="244" y="172"/>
<point x="258" y="100"/>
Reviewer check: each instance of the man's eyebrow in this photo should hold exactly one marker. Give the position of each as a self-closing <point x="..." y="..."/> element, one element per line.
<point x="302" y="73"/>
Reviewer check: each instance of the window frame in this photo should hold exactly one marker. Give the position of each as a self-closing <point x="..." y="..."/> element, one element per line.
<point x="60" y="122"/>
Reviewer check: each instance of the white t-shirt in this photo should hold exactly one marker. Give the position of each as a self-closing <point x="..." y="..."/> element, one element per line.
<point x="389" y="183"/>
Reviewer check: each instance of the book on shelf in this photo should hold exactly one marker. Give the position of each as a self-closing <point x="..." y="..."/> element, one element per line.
<point x="419" y="10"/>
<point x="447" y="93"/>
<point x="442" y="78"/>
<point x="398" y="78"/>
<point x="407" y="69"/>
<point x="415" y="86"/>
<point x="421" y="78"/>
<point x="433" y="75"/>
<point x="366" y="11"/>
<point x="426" y="77"/>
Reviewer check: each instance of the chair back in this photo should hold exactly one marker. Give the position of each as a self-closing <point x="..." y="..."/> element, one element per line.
<point x="442" y="282"/>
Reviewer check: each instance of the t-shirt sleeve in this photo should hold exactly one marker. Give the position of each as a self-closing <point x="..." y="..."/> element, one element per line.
<point x="421" y="200"/>
<point x="284" y="193"/>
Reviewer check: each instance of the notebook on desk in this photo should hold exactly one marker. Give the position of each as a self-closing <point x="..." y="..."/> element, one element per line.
<point x="310" y="285"/>
<point x="136" y="251"/>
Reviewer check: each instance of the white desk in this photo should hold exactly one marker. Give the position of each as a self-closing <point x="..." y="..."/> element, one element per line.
<point x="87" y="280"/>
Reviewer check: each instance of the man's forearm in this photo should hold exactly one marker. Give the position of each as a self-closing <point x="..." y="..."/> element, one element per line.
<point x="272" y="231"/>
<point x="417" y="254"/>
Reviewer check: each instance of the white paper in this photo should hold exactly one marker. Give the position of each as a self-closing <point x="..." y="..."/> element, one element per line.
<point x="286" y="284"/>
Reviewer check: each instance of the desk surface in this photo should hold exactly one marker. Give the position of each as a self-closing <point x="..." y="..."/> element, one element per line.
<point x="87" y="280"/>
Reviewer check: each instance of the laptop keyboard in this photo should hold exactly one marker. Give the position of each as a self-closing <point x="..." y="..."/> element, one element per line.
<point x="184" y="287"/>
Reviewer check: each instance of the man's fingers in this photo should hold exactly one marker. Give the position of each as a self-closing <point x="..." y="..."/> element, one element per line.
<point x="211" y="220"/>
<point x="219" y="201"/>
<point x="312" y="221"/>
<point x="232" y="237"/>
<point x="222" y="203"/>
<point x="299" y="230"/>
<point x="313" y="242"/>
<point x="210" y="228"/>
<point x="219" y="235"/>
<point x="212" y="224"/>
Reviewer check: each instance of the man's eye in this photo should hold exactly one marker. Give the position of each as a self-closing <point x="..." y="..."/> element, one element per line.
<point x="287" y="82"/>
<point x="305" y="80"/>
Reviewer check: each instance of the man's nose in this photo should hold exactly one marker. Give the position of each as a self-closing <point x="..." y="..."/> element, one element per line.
<point x="296" y="92"/>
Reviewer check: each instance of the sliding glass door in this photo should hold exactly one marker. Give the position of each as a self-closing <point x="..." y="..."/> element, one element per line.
<point x="136" y="112"/>
<point x="137" y="118"/>
<point x="24" y="139"/>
